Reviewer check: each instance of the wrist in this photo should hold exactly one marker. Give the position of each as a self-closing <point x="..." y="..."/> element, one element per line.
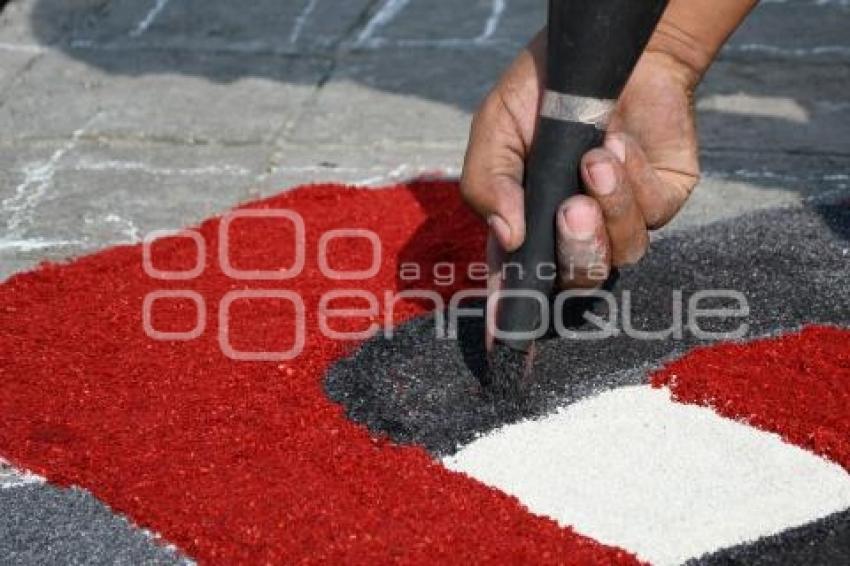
<point x="684" y="54"/>
<point x="693" y="31"/>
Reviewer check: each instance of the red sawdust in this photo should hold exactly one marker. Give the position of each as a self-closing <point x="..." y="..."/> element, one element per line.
<point x="797" y="386"/>
<point x="249" y="462"/>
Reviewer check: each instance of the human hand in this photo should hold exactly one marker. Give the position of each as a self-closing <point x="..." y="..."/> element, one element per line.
<point x="634" y="184"/>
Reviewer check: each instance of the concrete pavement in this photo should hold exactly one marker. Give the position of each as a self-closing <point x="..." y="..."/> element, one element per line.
<point x="120" y="117"/>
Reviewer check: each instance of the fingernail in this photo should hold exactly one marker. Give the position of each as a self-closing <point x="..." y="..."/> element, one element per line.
<point x="604" y="178"/>
<point x="501" y="229"/>
<point x="580" y="222"/>
<point x="617" y="146"/>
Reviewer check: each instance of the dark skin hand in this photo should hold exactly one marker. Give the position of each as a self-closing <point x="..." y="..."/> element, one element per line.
<point x="636" y="182"/>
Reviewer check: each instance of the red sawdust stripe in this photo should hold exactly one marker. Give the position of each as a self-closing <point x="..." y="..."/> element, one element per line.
<point x="797" y="386"/>
<point x="249" y="462"/>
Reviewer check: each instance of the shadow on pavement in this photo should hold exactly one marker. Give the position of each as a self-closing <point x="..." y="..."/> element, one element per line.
<point x="773" y="123"/>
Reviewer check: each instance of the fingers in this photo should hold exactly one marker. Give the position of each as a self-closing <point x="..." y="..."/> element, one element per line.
<point x="492" y="172"/>
<point x="626" y="197"/>
<point x="584" y="250"/>
<point x="660" y="193"/>
<point x="501" y="134"/>
<point x="605" y="177"/>
<point x="498" y="198"/>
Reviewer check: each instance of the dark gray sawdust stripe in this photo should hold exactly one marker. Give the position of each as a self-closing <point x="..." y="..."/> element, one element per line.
<point x="44" y="524"/>
<point x="821" y="543"/>
<point x="792" y="265"/>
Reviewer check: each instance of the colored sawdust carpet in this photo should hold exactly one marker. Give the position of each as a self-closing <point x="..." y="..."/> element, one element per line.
<point x="248" y="460"/>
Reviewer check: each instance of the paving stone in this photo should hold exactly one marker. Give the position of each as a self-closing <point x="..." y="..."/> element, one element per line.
<point x="193" y="20"/>
<point x="373" y="164"/>
<point x="329" y="23"/>
<point x="9" y="266"/>
<point x="522" y="19"/>
<point x="265" y="25"/>
<point x="17" y="23"/>
<point x="776" y="106"/>
<point x="369" y="100"/>
<point x="776" y="30"/>
<point x="185" y="97"/>
<point x="438" y="20"/>
<point x="734" y="182"/>
<point x="23" y="172"/>
<point x="134" y="192"/>
<point x="12" y="64"/>
<point x="104" y="194"/>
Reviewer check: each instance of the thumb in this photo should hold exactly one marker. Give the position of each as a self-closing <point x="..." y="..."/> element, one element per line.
<point x="506" y="216"/>
<point x="492" y="178"/>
